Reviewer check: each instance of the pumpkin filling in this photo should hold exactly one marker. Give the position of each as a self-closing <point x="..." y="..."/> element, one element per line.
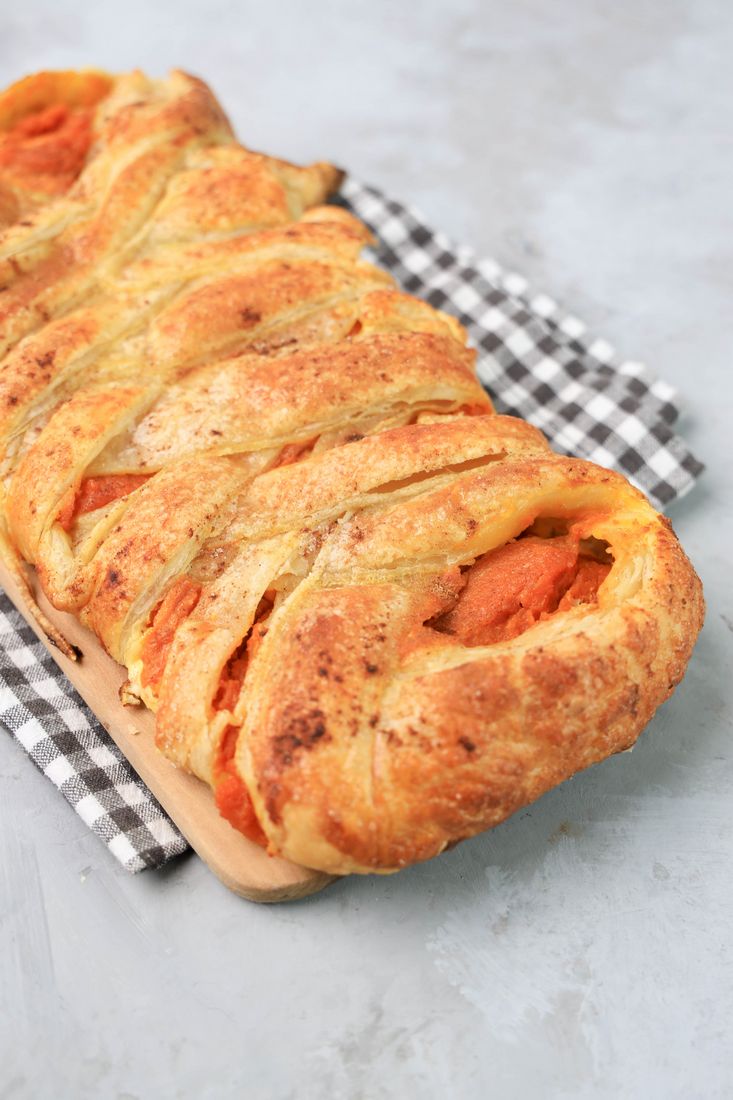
<point x="230" y="792"/>
<point x="95" y="492"/>
<point x="51" y="143"/>
<point x="510" y="589"/>
<point x="293" y="452"/>
<point x="175" y="607"/>
<point x="233" y="673"/>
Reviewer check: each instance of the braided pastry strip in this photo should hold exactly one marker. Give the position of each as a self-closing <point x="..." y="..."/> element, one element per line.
<point x="374" y="616"/>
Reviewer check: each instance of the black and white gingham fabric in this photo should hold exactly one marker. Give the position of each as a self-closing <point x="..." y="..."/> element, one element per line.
<point x="42" y="710"/>
<point x="535" y="361"/>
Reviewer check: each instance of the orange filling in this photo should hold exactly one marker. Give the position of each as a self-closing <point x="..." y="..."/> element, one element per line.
<point x="293" y="452"/>
<point x="510" y="589"/>
<point x="234" y="671"/>
<point x="52" y="143"/>
<point x="230" y="793"/>
<point x="231" y="681"/>
<point x="95" y="492"/>
<point x="177" y="604"/>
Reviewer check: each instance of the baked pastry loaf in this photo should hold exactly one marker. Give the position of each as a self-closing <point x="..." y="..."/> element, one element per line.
<point x="374" y="616"/>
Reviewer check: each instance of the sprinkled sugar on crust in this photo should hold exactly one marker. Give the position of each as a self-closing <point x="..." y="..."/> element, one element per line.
<point x="263" y="476"/>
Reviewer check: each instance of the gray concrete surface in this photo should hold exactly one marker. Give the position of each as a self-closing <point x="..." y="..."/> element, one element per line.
<point x="583" y="949"/>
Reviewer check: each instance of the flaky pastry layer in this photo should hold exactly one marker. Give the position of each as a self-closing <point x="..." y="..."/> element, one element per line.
<point x="376" y="617"/>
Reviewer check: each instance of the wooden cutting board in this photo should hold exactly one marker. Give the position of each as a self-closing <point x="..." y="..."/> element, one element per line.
<point x="241" y="865"/>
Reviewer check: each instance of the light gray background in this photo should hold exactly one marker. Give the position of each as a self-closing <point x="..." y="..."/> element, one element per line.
<point x="583" y="949"/>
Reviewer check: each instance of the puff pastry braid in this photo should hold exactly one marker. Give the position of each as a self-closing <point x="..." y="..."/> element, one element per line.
<point x="374" y="616"/>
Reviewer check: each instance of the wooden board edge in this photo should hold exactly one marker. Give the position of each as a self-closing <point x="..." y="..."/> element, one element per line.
<point x="242" y="866"/>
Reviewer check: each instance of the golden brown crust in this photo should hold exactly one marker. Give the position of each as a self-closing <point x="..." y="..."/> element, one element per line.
<point x="33" y="179"/>
<point x="441" y="740"/>
<point x="306" y="452"/>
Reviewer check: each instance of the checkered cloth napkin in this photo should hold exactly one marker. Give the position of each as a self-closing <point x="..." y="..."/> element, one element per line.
<point x="536" y="362"/>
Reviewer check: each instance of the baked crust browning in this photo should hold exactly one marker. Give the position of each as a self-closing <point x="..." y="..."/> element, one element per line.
<point x="374" y="616"/>
<point x="441" y="740"/>
<point x="46" y="130"/>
